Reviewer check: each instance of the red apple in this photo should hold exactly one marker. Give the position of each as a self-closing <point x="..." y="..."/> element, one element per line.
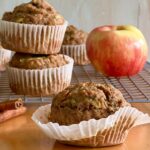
<point x="117" y="50"/>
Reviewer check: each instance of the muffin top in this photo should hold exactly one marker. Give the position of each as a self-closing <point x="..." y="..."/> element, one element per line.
<point x="34" y="12"/>
<point x="74" y="36"/>
<point x="85" y="101"/>
<point x="29" y="61"/>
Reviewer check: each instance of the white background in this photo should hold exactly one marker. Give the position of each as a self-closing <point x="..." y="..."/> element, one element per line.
<point x="87" y="14"/>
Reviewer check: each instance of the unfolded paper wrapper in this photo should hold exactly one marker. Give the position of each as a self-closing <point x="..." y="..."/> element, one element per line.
<point x="77" y="52"/>
<point x="40" y="82"/>
<point x="5" y="57"/>
<point x="34" y="39"/>
<point x="108" y="131"/>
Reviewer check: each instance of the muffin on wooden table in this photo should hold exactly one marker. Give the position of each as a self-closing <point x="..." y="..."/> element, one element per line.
<point x="5" y="57"/>
<point x="89" y="114"/>
<point x="86" y="101"/>
<point x="34" y="27"/>
<point x="74" y="45"/>
<point x="39" y="75"/>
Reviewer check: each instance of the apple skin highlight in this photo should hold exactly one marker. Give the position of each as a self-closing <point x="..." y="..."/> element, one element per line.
<point x="117" y="50"/>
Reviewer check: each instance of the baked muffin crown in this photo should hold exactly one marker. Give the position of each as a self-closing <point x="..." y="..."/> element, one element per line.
<point x="29" y="61"/>
<point x="74" y="36"/>
<point x="92" y="94"/>
<point x="34" y="12"/>
<point x="86" y="101"/>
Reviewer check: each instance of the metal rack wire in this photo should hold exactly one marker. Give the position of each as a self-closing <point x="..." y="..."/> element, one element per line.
<point x="134" y="89"/>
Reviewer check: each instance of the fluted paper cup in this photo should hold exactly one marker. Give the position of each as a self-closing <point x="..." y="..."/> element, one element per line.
<point x="5" y="56"/>
<point x="108" y="131"/>
<point x="77" y="52"/>
<point x="40" y="82"/>
<point x="34" y="39"/>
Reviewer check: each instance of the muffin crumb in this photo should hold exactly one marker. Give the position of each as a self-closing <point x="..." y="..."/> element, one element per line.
<point x="34" y="12"/>
<point x="85" y="101"/>
<point x="74" y="36"/>
<point x="29" y="61"/>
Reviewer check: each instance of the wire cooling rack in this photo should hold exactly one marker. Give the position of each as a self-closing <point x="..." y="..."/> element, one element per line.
<point x="134" y="89"/>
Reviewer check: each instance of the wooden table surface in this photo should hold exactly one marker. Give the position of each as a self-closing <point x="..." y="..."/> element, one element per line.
<point x="21" y="133"/>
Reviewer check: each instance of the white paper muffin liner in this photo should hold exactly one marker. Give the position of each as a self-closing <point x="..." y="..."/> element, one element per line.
<point x="40" y="82"/>
<point x="29" y="38"/>
<point x="77" y="52"/>
<point x="5" y="57"/>
<point x="104" y="132"/>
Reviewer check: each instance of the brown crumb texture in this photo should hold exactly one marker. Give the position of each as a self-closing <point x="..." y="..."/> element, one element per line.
<point x="29" y="61"/>
<point x="85" y="101"/>
<point x="34" y="12"/>
<point x="74" y="36"/>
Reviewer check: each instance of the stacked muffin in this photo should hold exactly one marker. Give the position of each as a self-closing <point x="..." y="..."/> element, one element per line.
<point x="35" y="30"/>
<point x="74" y="45"/>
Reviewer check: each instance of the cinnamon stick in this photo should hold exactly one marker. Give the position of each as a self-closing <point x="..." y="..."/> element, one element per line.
<point x="8" y="114"/>
<point x="11" y="105"/>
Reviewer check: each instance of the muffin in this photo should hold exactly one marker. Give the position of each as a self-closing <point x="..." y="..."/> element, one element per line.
<point x="36" y="27"/>
<point x="89" y="114"/>
<point x="39" y="75"/>
<point x="5" y="57"/>
<point x="74" y="45"/>
<point x="85" y="101"/>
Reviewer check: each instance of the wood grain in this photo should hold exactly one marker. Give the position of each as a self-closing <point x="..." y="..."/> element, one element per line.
<point x="21" y="133"/>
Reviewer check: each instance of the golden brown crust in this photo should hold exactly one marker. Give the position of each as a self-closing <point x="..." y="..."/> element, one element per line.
<point x="74" y="36"/>
<point x="34" y="12"/>
<point x="85" y="101"/>
<point x="29" y="61"/>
